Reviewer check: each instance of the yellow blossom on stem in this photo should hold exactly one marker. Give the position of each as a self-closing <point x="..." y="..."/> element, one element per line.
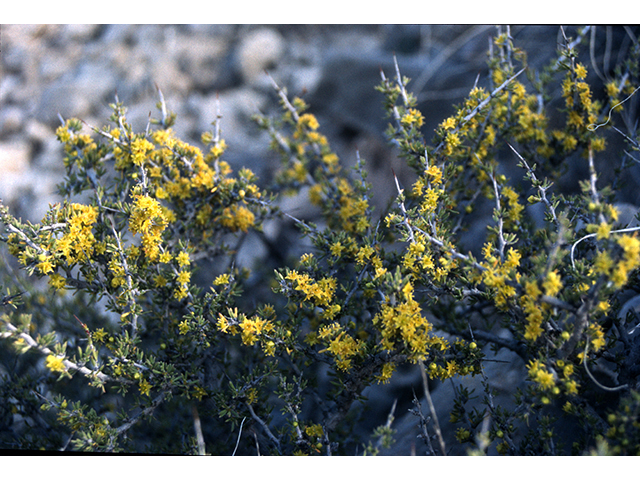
<point x="412" y="117"/>
<point x="538" y="372"/>
<point x="149" y="220"/>
<point x="237" y="217"/>
<point x="140" y="147"/>
<point x="435" y="174"/>
<point x="55" y="364"/>
<point x="221" y="279"/>
<point x="448" y="124"/>
<point x="46" y="265"/>
<point x="78" y="242"/>
<point x="552" y="284"/>
<point x="145" y="387"/>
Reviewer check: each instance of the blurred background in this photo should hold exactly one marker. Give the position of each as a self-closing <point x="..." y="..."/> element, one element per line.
<point x="47" y="71"/>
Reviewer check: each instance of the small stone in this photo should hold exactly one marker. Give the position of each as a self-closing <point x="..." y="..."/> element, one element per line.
<point x="14" y="157"/>
<point x="11" y="119"/>
<point x="81" y="31"/>
<point x="259" y="50"/>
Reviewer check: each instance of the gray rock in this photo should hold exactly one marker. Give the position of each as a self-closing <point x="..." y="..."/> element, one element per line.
<point x="261" y="49"/>
<point x="14" y="157"/>
<point x="76" y="93"/>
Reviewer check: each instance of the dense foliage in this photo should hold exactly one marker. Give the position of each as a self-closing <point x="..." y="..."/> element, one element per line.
<point x="111" y="345"/>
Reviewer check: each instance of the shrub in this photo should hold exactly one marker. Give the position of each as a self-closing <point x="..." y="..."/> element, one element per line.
<point x="117" y="348"/>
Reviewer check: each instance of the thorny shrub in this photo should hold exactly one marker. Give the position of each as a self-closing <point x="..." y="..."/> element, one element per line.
<point x="119" y="349"/>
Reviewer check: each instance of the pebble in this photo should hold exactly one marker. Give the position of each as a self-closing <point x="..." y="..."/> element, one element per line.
<point x="14" y="158"/>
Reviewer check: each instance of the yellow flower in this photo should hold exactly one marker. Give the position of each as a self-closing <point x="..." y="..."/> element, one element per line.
<point x="46" y="265"/>
<point x="603" y="263"/>
<point x="539" y="373"/>
<point x="603" y="231"/>
<point x="237" y="218"/>
<point x="183" y="327"/>
<point x="145" y="387"/>
<point x="386" y="373"/>
<point x="336" y="249"/>
<point x="448" y="124"/>
<point x="221" y="279"/>
<point x="148" y="219"/>
<point x="413" y="116"/>
<point x="309" y="120"/>
<point x="55" y="364"/>
<point x="57" y="281"/>
<point x="139" y="149"/>
<point x="183" y="259"/>
<point x="581" y="72"/>
<point x="435" y="173"/>
<point x="452" y="140"/>
<point x="552" y="284"/>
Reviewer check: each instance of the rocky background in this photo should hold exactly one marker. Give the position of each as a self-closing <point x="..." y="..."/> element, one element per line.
<point x="48" y="71"/>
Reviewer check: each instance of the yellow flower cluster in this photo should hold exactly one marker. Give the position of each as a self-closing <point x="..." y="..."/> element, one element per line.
<point x="387" y="372"/>
<point x="78" y="242"/>
<point x="552" y="284"/>
<point x="418" y="256"/>
<point x="630" y="260"/>
<point x="320" y="292"/>
<point x="403" y="326"/>
<point x="140" y="147"/>
<point x="499" y="275"/>
<point x="618" y="272"/>
<point x="413" y="117"/>
<point x="554" y="381"/>
<point x="449" y="369"/>
<point x="582" y="112"/>
<point x="340" y="344"/>
<point x="148" y="219"/>
<point x="253" y="328"/>
<point x="237" y="217"/>
<point x="538" y="373"/>
<point x="597" y="336"/>
<point x="532" y="309"/>
<point x="514" y="207"/>
<point x="352" y="212"/>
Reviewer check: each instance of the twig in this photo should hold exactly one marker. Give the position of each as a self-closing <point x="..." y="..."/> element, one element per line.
<point x="593" y="177"/>
<point x="284" y="98"/>
<point x="390" y="419"/>
<point x="425" y="384"/>
<point x="142" y="413"/>
<point x="125" y="266"/>
<point x="580" y="321"/>
<point x="423" y="425"/>
<point x="591" y="235"/>
<point x="163" y="106"/>
<point x="67" y="363"/>
<point x="265" y="427"/>
<point x="239" y="435"/>
<point x="541" y="189"/>
<point x="593" y="379"/>
<point x="501" y="241"/>
<point x="198" y="428"/>
<point x="593" y="127"/>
